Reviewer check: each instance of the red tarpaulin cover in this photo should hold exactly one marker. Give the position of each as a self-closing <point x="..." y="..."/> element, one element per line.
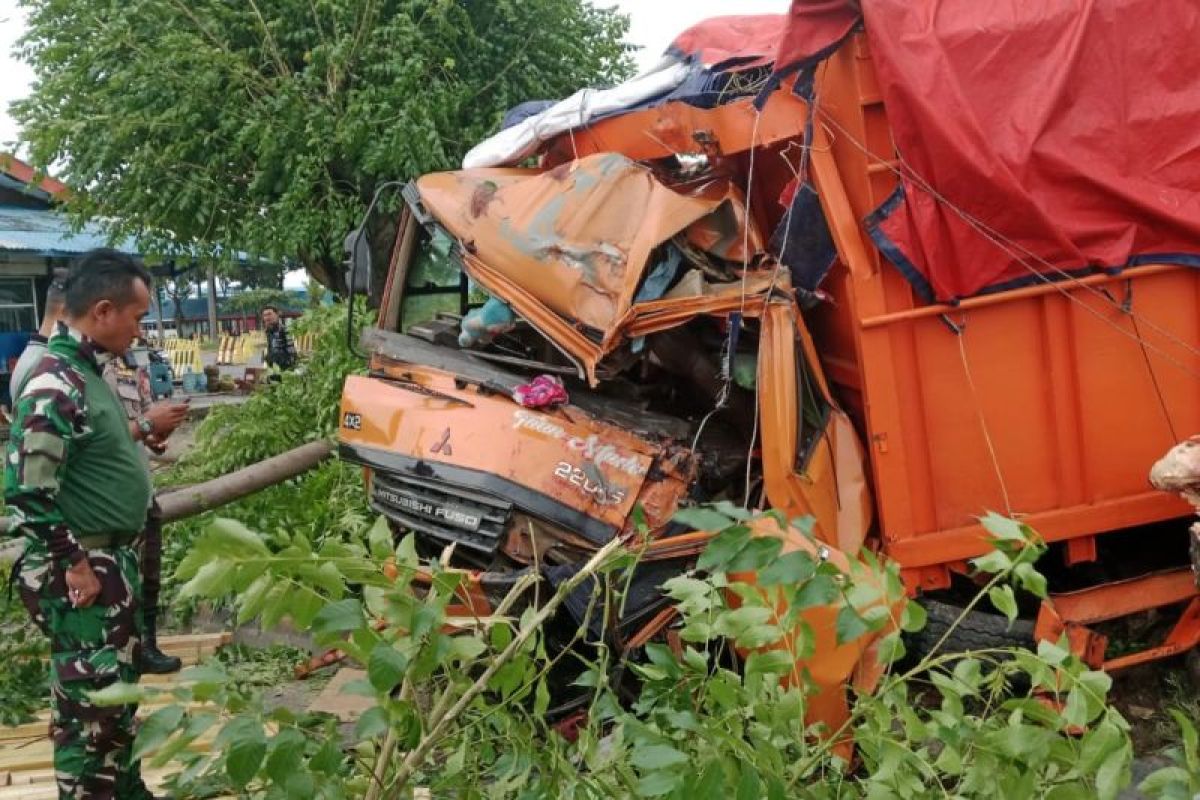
<point x="751" y="40"/>
<point x="814" y="27"/>
<point x="1071" y="127"/>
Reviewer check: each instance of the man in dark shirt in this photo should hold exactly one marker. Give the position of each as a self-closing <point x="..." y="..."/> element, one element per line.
<point x="280" y="350"/>
<point x="77" y="491"/>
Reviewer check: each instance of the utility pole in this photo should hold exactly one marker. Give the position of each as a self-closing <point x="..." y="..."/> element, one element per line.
<point x="213" y="333"/>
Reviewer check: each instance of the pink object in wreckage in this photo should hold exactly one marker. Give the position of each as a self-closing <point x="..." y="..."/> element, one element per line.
<point x="544" y="391"/>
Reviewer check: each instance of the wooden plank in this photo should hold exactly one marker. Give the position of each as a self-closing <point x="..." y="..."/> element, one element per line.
<point x="27" y="755"/>
<point x="40" y="754"/>
<point x="195" y="640"/>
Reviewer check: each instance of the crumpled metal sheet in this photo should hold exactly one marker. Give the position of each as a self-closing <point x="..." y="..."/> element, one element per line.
<point x="578" y="237"/>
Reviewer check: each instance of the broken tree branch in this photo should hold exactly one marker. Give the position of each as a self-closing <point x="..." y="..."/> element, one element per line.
<point x="205" y="496"/>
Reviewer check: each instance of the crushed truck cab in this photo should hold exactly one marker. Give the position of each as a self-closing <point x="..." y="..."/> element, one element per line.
<point x="850" y="278"/>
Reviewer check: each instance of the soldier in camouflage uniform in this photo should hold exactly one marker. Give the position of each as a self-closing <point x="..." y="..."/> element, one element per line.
<point x="78" y="493"/>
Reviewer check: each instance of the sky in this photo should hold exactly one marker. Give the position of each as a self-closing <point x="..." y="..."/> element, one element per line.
<point x="653" y="25"/>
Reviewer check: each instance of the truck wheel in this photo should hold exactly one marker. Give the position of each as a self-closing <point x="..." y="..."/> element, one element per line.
<point x="978" y="630"/>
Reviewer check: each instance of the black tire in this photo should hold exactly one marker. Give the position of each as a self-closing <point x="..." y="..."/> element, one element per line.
<point x="977" y="631"/>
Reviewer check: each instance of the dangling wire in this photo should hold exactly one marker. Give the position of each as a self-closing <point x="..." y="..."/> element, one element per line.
<point x="1011" y="250"/>
<point x="961" y="336"/>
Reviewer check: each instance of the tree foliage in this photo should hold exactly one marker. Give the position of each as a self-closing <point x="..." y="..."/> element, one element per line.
<point x="266" y="126"/>
<point x="462" y="704"/>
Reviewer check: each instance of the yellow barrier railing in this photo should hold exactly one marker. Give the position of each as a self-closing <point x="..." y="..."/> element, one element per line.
<point x="231" y="350"/>
<point x="184" y="354"/>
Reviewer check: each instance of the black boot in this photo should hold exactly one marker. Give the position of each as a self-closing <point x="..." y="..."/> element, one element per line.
<point x="151" y="660"/>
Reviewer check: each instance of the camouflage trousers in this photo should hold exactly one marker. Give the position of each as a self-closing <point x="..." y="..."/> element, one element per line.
<point x="90" y="648"/>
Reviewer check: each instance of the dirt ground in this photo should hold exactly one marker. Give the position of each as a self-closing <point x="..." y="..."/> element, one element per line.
<point x="1145" y="694"/>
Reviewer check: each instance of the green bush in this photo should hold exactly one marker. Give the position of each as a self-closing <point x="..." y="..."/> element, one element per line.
<point x="328" y="501"/>
<point x="464" y="712"/>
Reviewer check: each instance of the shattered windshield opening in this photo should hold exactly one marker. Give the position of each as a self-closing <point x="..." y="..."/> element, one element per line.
<point x="435" y="284"/>
<point x="812" y="413"/>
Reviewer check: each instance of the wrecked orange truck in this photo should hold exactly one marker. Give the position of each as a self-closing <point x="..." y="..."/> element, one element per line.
<point x="883" y="266"/>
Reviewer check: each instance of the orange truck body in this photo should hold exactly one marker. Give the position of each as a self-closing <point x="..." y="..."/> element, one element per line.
<point x="1048" y="403"/>
<point x="1043" y="403"/>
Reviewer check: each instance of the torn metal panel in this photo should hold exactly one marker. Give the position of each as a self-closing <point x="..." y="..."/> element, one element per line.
<point x="677" y="127"/>
<point x="810" y="467"/>
<point x="577" y="237"/>
<point x="569" y="249"/>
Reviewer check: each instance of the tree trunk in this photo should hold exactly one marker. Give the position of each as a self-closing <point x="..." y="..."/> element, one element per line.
<point x="205" y="496"/>
<point x="213" y="331"/>
<point x="330" y="275"/>
<point x="162" y="328"/>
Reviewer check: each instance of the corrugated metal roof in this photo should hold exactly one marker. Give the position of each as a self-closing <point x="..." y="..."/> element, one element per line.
<point x="46" y="232"/>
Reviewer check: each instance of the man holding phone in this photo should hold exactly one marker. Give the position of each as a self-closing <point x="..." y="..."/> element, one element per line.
<point x="151" y="423"/>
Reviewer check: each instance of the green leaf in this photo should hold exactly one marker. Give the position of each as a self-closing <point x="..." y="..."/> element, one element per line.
<point x="767" y="662"/>
<point x="819" y="590"/>
<point x="287" y="752"/>
<point x="1031" y="580"/>
<point x="1004" y="528"/>
<point x="1167" y="782"/>
<point x="749" y="787"/>
<point x="379" y="539"/>
<point x="541" y="698"/>
<point x="891" y="648"/>
<point x="1004" y="600"/>
<point x="1052" y="653"/>
<point x="789" y="569"/>
<point x="656" y="756"/>
<point x="117" y="694"/>
<point x="723" y="548"/>
<point x="205" y="675"/>
<point x="371" y="724"/>
<point x="245" y="746"/>
<point x="156" y="729"/>
<point x="1191" y="741"/>
<point x="344" y="615"/>
<point x="406" y="553"/>
<point x="702" y="518"/>
<point x="231" y="536"/>
<point x="213" y="579"/>
<point x="657" y="784"/>
<point x="303" y="607"/>
<point x="758" y="553"/>
<point x="386" y="667"/>
<point x="277" y="603"/>
<point x="1112" y="775"/>
<point x="197" y="725"/>
<point x="732" y="511"/>
<point x="1096" y="746"/>
<point x="250" y="603"/>
<point x="329" y="758"/>
<point x="850" y="625"/>
<point x="914" y="617"/>
<point x="992" y="563"/>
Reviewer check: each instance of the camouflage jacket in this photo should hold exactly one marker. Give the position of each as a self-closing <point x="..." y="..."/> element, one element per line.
<point x="55" y="422"/>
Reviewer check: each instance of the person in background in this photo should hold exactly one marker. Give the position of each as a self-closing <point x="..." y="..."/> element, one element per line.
<point x="155" y="422"/>
<point x="280" y="350"/>
<point x="77" y="491"/>
<point x="36" y="349"/>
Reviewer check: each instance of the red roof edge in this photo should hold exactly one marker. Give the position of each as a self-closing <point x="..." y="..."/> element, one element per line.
<point x="23" y="172"/>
